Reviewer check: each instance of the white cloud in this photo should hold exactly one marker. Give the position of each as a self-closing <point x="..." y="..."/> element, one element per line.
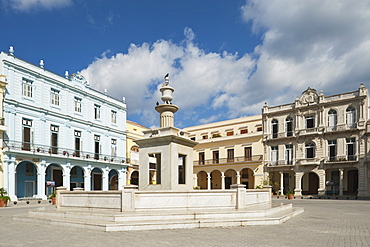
<point x="25" y="5"/>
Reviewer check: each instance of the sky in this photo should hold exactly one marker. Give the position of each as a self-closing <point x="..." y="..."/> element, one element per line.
<point x="225" y="57"/>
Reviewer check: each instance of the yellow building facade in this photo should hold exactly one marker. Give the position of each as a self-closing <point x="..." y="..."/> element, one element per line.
<point x="228" y="152"/>
<point x="134" y="132"/>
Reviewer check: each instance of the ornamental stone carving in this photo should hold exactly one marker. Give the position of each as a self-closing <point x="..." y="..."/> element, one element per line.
<point x="309" y="96"/>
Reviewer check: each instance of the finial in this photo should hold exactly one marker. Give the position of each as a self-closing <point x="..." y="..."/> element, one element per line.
<point x="66" y="74"/>
<point x="124" y="99"/>
<point x="11" y="50"/>
<point x="42" y="63"/>
<point x="105" y="91"/>
<point x="167" y="79"/>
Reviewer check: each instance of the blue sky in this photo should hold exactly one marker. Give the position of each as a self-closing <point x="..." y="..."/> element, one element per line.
<point x="226" y="58"/>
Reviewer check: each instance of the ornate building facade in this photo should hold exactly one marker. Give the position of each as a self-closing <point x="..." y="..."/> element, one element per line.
<point x="60" y="132"/>
<point x="228" y="152"/>
<point x="318" y="144"/>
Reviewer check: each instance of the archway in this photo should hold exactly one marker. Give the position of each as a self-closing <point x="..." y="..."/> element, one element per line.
<point x="77" y="178"/>
<point x="113" y="180"/>
<point x="135" y="178"/>
<point x="96" y="179"/>
<point x="26" y="177"/>
<point x="247" y="178"/>
<point x="54" y="172"/>
<point x="310" y="184"/>
<point x="202" y="179"/>
<point x="216" y="179"/>
<point x="230" y="178"/>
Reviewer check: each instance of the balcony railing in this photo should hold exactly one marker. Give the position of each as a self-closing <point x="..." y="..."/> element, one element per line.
<point x="342" y="158"/>
<point x="280" y="163"/>
<point x="38" y="149"/>
<point x="280" y="135"/>
<point x="229" y="160"/>
<point x="341" y="127"/>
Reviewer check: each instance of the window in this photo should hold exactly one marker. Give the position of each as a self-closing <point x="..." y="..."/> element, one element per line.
<point x="29" y="169"/>
<point x="181" y="168"/>
<point x="310" y="150"/>
<point x="155" y="168"/>
<point x="192" y="138"/>
<point x="54" y="138"/>
<point x="351" y="148"/>
<point x="332" y="120"/>
<point x="351" y="117"/>
<point x="289" y="154"/>
<point x="243" y="131"/>
<point x="274" y="127"/>
<point x="54" y="97"/>
<point x="215" y="135"/>
<point x="230" y="155"/>
<point x="259" y="128"/>
<point x="27" y="87"/>
<point x="204" y="137"/>
<point x="216" y="157"/>
<point x="97" y="111"/>
<point x="229" y="133"/>
<point x="201" y="158"/>
<point x="248" y="153"/>
<point x="97" y="146"/>
<point x="77" y="143"/>
<point x="26" y="126"/>
<point x="274" y="155"/>
<point x="332" y="144"/>
<point x="114" y="147"/>
<point x="114" y="117"/>
<point x="77" y="104"/>
<point x="310" y="122"/>
<point x="289" y="126"/>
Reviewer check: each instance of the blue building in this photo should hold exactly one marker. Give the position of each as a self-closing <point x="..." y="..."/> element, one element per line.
<point x="59" y="132"/>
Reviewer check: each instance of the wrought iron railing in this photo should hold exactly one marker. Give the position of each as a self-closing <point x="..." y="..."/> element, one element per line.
<point x="342" y="158"/>
<point x="280" y="163"/>
<point x="341" y="127"/>
<point x="60" y="152"/>
<point x="240" y="159"/>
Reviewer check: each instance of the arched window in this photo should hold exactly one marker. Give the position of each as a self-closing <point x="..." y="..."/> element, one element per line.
<point x="332" y="120"/>
<point x="310" y="150"/>
<point x="289" y="126"/>
<point x="351" y="117"/>
<point x="274" y="128"/>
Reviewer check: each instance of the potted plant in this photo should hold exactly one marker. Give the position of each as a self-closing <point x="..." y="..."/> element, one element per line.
<point x="3" y="197"/>
<point x="53" y="198"/>
<point x="290" y="195"/>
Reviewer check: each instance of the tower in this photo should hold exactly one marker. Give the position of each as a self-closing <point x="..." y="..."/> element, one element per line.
<point x="166" y="161"/>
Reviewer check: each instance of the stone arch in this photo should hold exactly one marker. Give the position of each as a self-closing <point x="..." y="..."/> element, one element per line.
<point x="113" y="179"/>
<point x="310" y="183"/>
<point x="202" y="179"/>
<point x="230" y="178"/>
<point x="97" y="179"/>
<point x="247" y="177"/>
<point x="216" y="182"/>
<point x="77" y="177"/>
<point x="26" y="177"/>
<point x="134" y="177"/>
<point x="54" y="172"/>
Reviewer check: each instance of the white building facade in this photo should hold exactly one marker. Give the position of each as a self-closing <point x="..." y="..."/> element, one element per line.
<point x="318" y="144"/>
<point x="60" y="132"/>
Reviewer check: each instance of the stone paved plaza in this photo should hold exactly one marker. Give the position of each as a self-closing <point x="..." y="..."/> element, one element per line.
<point x="324" y="223"/>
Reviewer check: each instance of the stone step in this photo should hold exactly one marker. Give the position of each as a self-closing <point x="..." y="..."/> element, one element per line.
<point x="139" y="223"/>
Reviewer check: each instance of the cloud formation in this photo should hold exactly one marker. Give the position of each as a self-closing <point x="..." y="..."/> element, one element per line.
<point x="320" y="43"/>
<point x="25" y="5"/>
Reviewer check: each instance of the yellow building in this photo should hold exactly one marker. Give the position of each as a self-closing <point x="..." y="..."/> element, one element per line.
<point x="2" y="127"/>
<point x="229" y="152"/>
<point x="134" y="132"/>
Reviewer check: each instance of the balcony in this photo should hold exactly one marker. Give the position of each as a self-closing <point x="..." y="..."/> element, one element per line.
<point x="43" y="150"/>
<point x="279" y="135"/>
<point x="341" y="127"/>
<point x="241" y="159"/>
<point x="280" y="163"/>
<point x="346" y="158"/>
<point x="309" y="161"/>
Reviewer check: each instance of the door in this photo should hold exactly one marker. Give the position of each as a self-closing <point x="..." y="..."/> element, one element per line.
<point x="228" y="181"/>
<point x="54" y="143"/>
<point x="313" y="183"/>
<point x="97" y="181"/>
<point x="28" y="189"/>
<point x="26" y="138"/>
<point x="58" y="177"/>
<point x="352" y="182"/>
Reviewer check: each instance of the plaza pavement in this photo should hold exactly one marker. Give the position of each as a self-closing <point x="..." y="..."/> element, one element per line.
<point x="324" y="223"/>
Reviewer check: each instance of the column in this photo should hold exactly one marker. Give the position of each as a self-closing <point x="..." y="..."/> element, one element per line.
<point x="105" y="178"/>
<point x="67" y="176"/>
<point x="208" y="181"/>
<point x="238" y="177"/>
<point x="87" y="178"/>
<point x="11" y="171"/>
<point x="122" y="178"/>
<point x="281" y="183"/>
<point x="341" y="171"/>
<point x="195" y="180"/>
<point x="298" y="183"/>
<point x="41" y="169"/>
<point x="223" y="180"/>
<point x="322" y="186"/>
